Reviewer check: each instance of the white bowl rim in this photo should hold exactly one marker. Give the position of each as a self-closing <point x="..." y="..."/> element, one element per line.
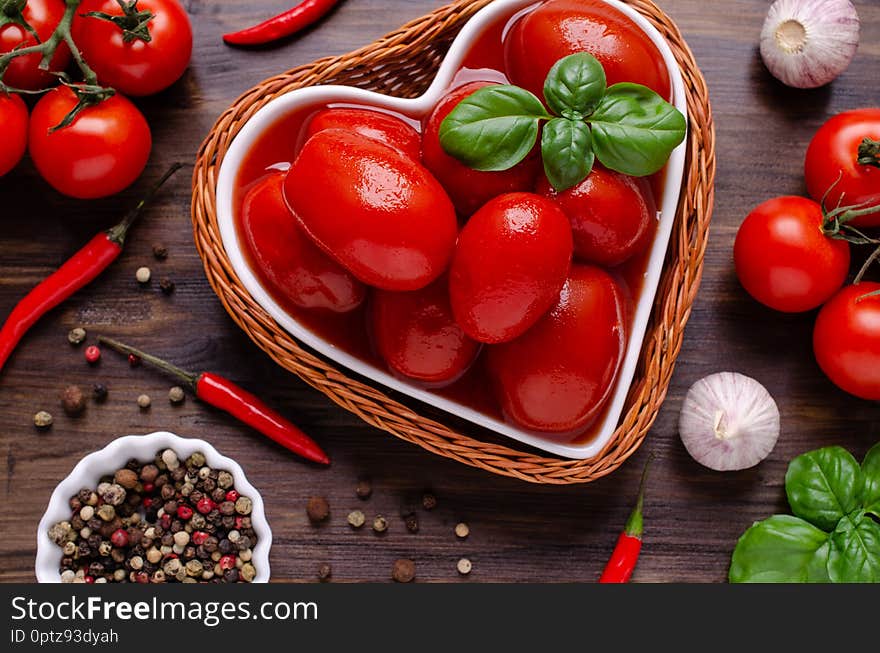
<point x="143" y="447"/>
<point x="420" y="106"/>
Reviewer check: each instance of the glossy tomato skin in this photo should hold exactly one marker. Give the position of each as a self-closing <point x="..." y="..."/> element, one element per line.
<point x="784" y="260"/>
<point x="136" y="68"/>
<point x="832" y="160"/>
<point x="610" y="215"/>
<point x="294" y="266"/>
<point x="380" y="214"/>
<point x="416" y="334"/>
<point x="14" y="118"/>
<point x="102" y="152"/>
<point x="846" y="340"/>
<point x="512" y="258"/>
<point x="559" y="375"/>
<point x="469" y="189"/>
<point x="559" y="28"/>
<point x="380" y="126"/>
<point x="24" y="72"/>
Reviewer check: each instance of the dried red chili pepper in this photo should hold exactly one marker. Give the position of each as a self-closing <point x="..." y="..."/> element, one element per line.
<point x="225" y="395"/>
<point x="629" y="544"/>
<point x="284" y="24"/>
<point x="78" y="271"/>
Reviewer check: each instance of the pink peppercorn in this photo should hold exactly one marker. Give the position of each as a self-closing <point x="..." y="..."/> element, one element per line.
<point x="227" y="562"/>
<point x="119" y="538"/>
<point x="133" y="360"/>
<point x="238" y="521"/>
<point x="232" y="495"/>
<point x="93" y="354"/>
<point x="149" y="487"/>
<point x="142" y="577"/>
<point x="199" y="537"/>
<point x="147" y="502"/>
<point x="184" y="512"/>
<point x="89" y="579"/>
<point x="205" y="505"/>
<point x="165" y="521"/>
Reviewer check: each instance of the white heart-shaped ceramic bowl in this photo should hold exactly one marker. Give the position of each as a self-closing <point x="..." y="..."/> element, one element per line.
<point x="143" y="448"/>
<point x="317" y="96"/>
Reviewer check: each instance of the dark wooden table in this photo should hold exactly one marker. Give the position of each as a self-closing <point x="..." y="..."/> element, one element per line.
<point x="519" y="532"/>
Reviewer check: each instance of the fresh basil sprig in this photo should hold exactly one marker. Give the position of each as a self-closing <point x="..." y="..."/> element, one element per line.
<point x="831" y="538"/>
<point x="628" y="127"/>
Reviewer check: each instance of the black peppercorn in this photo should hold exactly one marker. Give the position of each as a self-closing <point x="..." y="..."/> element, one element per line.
<point x="160" y="252"/>
<point x="231" y="575"/>
<point x="99" y="393"/>
<point x="318" y="509"/>
<point x="166" y="286"/>
<point x="324" y="572"/>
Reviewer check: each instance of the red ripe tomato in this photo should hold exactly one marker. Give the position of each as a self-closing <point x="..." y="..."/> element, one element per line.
<point x="372" y="124"/>
<point x="833" y="160"/>
<point x="292" y="264"/>
<point x="610" y="214"/>
<point x="512" y="258"/>
<point x="559" y="28"/>
<point x="380" y="214"/>
<point x="102" y="152"/>
<point x="784" y="260"/>
<point x="416" y="334"/>
<point x="14" y="118"/>
<point x="24" y="72"/>
<point x="559" y="375"/>
<point x="846" y="340"/>
<point x="136" y="67"/>
<point x="469" y="189"/>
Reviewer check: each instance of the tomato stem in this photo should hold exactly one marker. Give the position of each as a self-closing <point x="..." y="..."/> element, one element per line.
<point x="869" y="153"/>
<point x="871" y="259"/>
<point x="133" y="22"/>
<point x="190" y="378"/>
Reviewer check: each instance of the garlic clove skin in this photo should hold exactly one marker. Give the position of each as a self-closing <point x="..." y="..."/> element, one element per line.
<point x="729" y="422"/>
<point x="808" y="43"/>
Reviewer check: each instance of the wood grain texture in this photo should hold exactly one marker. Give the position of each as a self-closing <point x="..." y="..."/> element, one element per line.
<point x="519" y="532"/>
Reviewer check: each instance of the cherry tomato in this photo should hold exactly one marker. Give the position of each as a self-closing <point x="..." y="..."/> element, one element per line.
<point x="610" y="215"/>
<point x="416" y="334"/>
<point x="512" y="258"/>
<point x="136" y="67"/>
<point x="784" y="260"/>
<point x="372" y="124"/>
<point x="380" y="214"/>
<point x="24" y="72"/>
<point x="292" y="264"/>
<point x="14" y="118"/>
<point x="559" y="375"/>
<point x="102" y="152"/>
<point x="469" y="189"/>
<point x="833" y="160"/>
<point x="559" y="28"/>
<point x="846" y="340"/>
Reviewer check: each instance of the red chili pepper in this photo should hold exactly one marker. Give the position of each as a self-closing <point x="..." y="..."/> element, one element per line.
<point x="284" y="24"/>
<point x="629" y="544"/>
<point x="225" y="395"/>
<point x="79" y="271"/>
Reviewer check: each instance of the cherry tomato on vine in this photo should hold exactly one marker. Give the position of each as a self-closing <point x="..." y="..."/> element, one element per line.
<point x="102" y="152"/>
<point x="14" y="119"/>
<point x="784" y="260"/>
<point x="846" y="340"/>
<point x="24" y="72"/>
<point x="838" y="156"/>
<point x="128" y="63"/>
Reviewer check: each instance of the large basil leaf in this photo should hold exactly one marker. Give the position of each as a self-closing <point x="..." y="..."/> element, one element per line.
<point x="823" y="486"/>
<point x="855" y="550"/>
<point x="494" y="128"/>
<point x="635" y="130"/>
<point x="567" y="152"/>
<point x="871" y="481"/>
<point x="781" y="549"/>
<point x="575" y="85"/>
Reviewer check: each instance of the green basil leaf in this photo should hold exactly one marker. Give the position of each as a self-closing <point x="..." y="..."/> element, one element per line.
<point x="871" y="481"/>
<point x="567" y="152"/>
<point x="781" y="549"/>
<point x="855" y="550"/>
<point x="494" y="128"/>
<point x="635" y="130"/>
<point x="823" y="486"/>
<point x="575" y="85"/>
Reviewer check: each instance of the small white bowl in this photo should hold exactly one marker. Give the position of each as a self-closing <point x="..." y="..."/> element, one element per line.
<point x="418" y="108"/>
<point x="143" y="448"/>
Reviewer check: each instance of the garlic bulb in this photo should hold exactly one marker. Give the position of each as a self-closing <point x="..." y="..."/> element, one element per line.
<point x="807" y="43"/>
<point x="728" y="422"/>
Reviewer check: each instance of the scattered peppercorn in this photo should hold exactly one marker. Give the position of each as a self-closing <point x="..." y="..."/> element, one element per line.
<point x="143" y="275"/>
<point x="324" y="572"/>
<point x="462" y="530"/>
<point x="318" y="510"/>
<point x="464" y="566"/>
<point x="364" y="488"/>
<point x="167" y="286"/>
<point x="76" y="336"/>
<point x="144" y="402"/>
<point x="176" y="395"/>
<point x="380" y="524"/>
<point x="73" y="401"/>
<point x="429" y="501"/>
<point x="43" y="420"/>
<point x="404" y="571"/>
<point x="356" y="518"/>
<point x="99" y="393"/>
<point x="412" y="522"/>
<point x="92" y="354"/>
<point x="160" y="252"/>
<point x="134" y="361"/>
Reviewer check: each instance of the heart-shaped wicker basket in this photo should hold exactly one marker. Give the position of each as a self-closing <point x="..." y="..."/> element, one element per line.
<point x="403" y="63"/>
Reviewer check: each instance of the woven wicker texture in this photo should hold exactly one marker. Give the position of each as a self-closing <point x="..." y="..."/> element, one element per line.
<point x="403" y="63"/>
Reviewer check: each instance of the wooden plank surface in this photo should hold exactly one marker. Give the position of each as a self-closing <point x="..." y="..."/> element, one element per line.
<point x="519" y="532"/>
